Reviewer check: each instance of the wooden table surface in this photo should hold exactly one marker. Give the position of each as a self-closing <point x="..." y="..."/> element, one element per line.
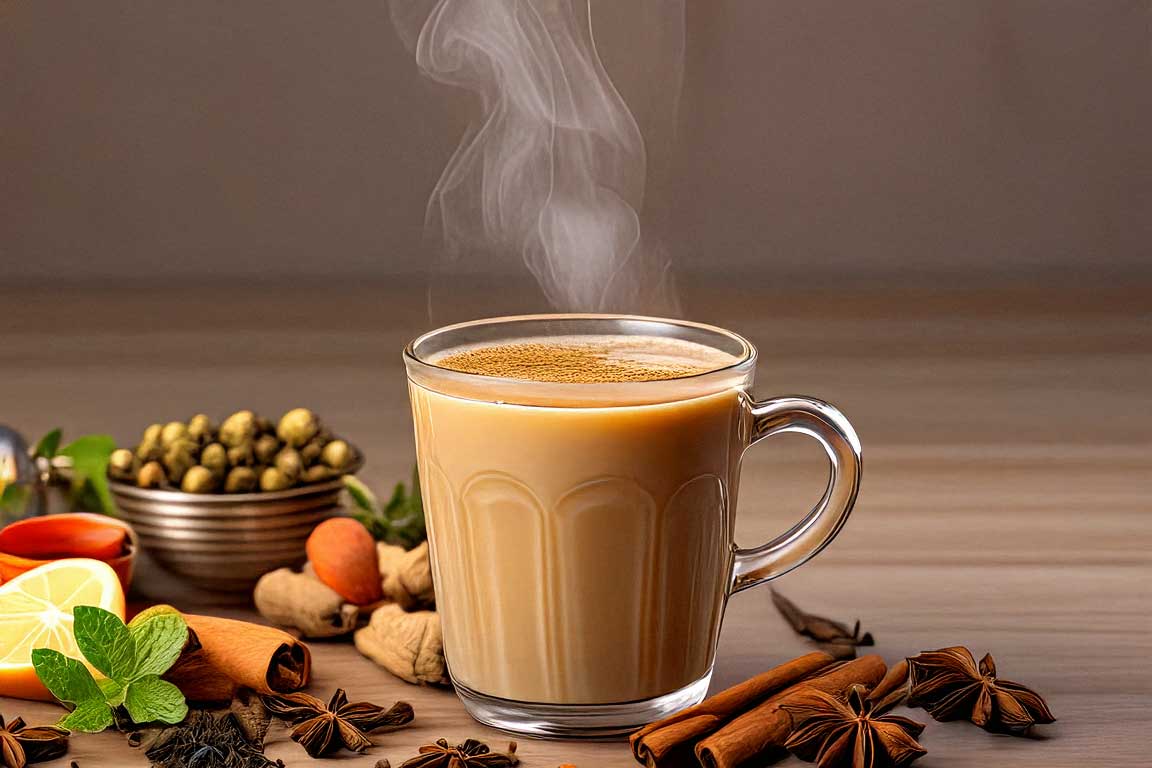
<point x="1005" y="505"/>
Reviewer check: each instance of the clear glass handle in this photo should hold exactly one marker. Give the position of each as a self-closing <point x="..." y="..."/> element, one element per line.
<point x="797" y="546"/>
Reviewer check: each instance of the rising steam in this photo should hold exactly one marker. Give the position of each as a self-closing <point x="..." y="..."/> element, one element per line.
<point x="554" y="169"/>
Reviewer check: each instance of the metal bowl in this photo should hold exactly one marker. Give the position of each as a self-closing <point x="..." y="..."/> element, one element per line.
<point x="226" y="542"/>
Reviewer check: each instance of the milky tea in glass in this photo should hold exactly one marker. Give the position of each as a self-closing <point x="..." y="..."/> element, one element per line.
<point x="579" y="475"/>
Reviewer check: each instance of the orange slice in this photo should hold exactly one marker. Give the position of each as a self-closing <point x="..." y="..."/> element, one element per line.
<point x="36" y="612"/>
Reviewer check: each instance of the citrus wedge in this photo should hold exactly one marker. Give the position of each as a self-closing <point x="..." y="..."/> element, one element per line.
<point x="36" y="612"/>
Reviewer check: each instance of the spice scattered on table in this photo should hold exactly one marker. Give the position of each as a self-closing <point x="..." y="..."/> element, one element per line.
<point x="671" y="741"/>
<point x="325" y="729"/>
<point x="21" y="744"/>
<point x="252" y="717"/>
<point x="305" y="603"/>
<point x="205" y="739"/>
<point x="471" y="754"/>
<point x="224" y="655"/>
<point x="830" y="636"/>
<point x="837" y="713"/>
<point x="832" y="731"/>
<point x="410" y="645"/>
<point x="950" y="685"/>
<point x="762" y="732"/>
<point x="406" y="575"/>
<point x="346" y="567"/>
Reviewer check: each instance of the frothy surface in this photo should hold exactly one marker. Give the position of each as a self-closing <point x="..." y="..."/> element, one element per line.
<point x="587" y="359"/>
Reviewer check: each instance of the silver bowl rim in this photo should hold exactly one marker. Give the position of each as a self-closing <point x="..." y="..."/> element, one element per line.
<point x="228" y="499"/>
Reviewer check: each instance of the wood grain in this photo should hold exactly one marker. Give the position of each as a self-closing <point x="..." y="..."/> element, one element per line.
<point x="1005" y="503"/>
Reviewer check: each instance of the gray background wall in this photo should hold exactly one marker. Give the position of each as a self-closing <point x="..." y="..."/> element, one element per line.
<point x="942" y="141"/>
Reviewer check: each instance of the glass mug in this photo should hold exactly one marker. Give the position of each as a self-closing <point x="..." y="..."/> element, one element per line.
<point x="582" y="533"/>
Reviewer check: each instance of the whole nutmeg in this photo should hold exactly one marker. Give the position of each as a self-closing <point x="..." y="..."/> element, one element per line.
<point x="121" y="463"/>
<point x="200" y="428"/>
<point x="241" y="480"/>
<point x="337" y="454"/>
<point x="297" y="427"/>
<point x="319" y="474"/>
<point x="238" y="428"/>
<point x="288" y="461"/>
<point x="215" y="458"/>
<point x="151" y="475"/>
<point x="241" y="455"/>
<point x="273" y="479"/>
<point x="265" y="448"/>
<point x="173" y="431"/>
<point x="198" y="479"/>
<point x="177" y="460"/>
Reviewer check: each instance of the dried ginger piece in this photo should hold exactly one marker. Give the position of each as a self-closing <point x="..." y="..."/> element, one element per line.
<point x="409" y="645"/>
<point x="406" y="575"/>
<point x="304" y="603"/>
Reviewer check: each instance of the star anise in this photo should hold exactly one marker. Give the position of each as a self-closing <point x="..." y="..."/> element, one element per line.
<point x="326" y="729"/>
<point x="470" y="754"/>
<point x="834" y="733"/>
<point x="830" y="636"/>
<point x="21" y="745"/>
<point x="951" y="686"/>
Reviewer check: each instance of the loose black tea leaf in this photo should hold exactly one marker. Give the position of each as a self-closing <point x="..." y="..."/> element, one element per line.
<point x="471" y="754"/>
<point x="324" y="729"/>
<point x="951" y="686"/>
<point x="831" y="636"/>
<point x="206" y="740"/>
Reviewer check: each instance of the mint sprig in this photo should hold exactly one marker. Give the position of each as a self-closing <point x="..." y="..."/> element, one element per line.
<point x="130" y="656"/>
<point x="400" y="521"/>
<point x="90" y="455"/>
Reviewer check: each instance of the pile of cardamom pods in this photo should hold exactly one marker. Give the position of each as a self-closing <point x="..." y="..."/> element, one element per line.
<point x="245" y="453"/>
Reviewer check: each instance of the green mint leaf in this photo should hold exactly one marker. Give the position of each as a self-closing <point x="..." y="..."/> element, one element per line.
<point x="105" y="642"/>
<point x="14" y="503"/>
<point x="89" y="717"/>
<point x="67" y="679"/>
<point x="112" y="690"/>
<point x="159" y="638"/>
<point x="90" y="456"/>
<point x="151" y="699"/>
<point x="400" y="521"/>
<point x="362" y="495"/>
<point x="48" y="444"/>
<point x="396" y="503"/>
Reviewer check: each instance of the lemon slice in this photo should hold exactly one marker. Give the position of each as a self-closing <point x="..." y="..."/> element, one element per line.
<point x="36" y="612"/>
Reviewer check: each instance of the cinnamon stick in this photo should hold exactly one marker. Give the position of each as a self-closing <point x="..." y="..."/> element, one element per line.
<point x="224" y="654"/>
<point x="668" y="743"/>
<point x="761" y="732"/>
